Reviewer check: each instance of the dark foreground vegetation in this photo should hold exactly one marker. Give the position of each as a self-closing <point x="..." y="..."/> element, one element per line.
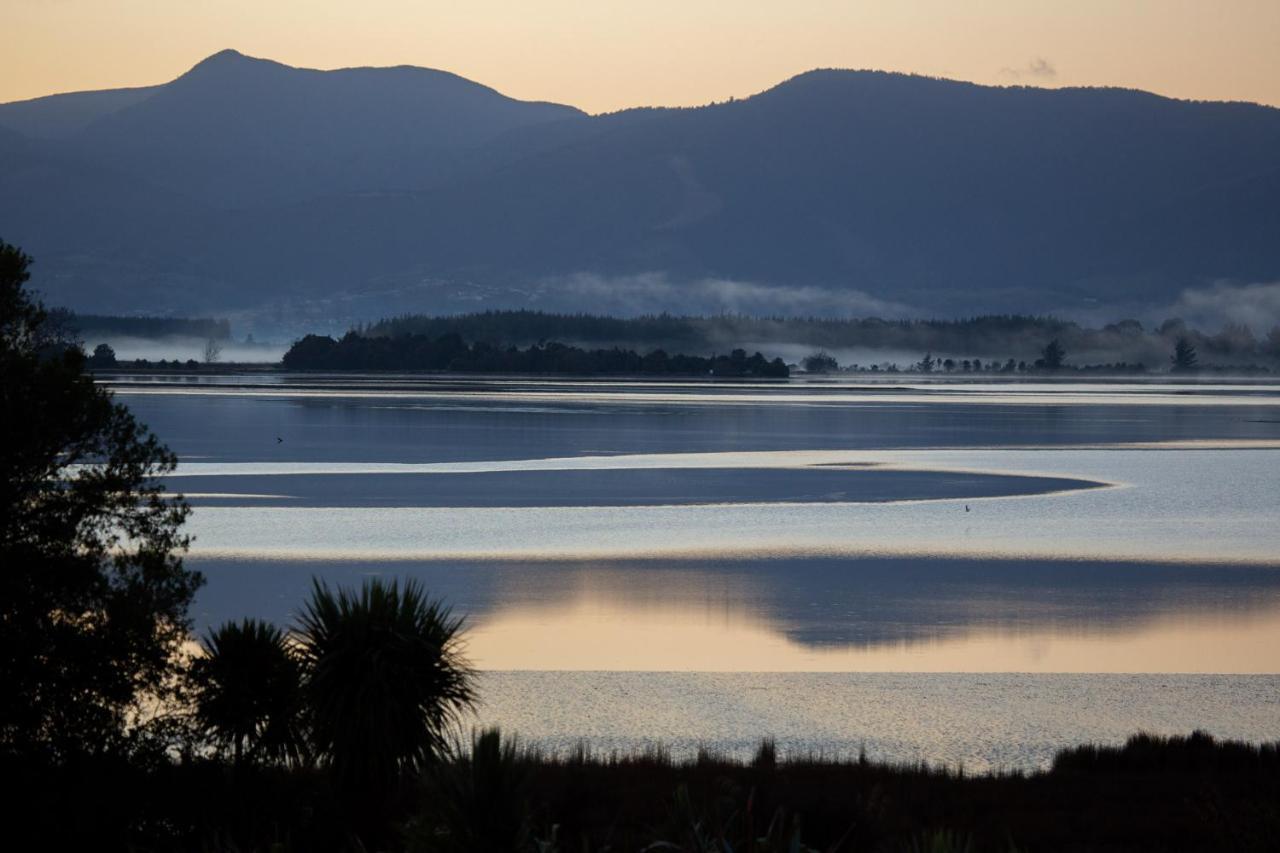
<point x="356" y="351"/>
<point x="1187" y="793"/>
<point x="340" y="731"/>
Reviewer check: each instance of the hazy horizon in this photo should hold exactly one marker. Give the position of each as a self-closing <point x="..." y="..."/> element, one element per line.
<point x="665" y="54"/>
<point x="727" y="412"/>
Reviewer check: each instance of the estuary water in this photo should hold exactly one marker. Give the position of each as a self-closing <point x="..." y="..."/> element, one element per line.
<point x="964" y="573"/>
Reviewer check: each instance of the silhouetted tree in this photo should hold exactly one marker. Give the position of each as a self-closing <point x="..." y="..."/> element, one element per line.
<point x="93" y="592"/>
<point x="820" y="362"/>
<point x="926" y="364"/>
<point x="248" y="691"/>
<point x="1052" y="356"/>
<point x="385" y="678"/>
<point x="103" y="356"/>
<point x="1184" y="355"/>
<point x="212" y="351"/>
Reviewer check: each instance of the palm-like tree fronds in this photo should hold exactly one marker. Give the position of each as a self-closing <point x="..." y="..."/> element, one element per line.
<point x="386" y="678"/>
<point x="249" y="691"/>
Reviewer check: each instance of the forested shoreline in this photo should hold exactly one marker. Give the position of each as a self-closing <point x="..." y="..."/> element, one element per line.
<point x="449" y="352"/>
<point x="992" y="336"/>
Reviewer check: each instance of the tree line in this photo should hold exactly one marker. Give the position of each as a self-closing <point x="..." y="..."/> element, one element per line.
<point x="1184" y="359"/>
<point x="450" y="352"/>
<point x="1021" y="336"/>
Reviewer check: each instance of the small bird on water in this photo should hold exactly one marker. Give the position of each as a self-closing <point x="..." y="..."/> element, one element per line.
<point x="280" y="440"/>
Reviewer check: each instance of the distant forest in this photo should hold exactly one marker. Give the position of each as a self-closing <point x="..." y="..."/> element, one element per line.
<point x="150" y="327"/>
<point x="1002" y="336"/>
<point x="355" y="351"/>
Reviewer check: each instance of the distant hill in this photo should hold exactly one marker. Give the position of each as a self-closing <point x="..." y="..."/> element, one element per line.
<point x="236" y="131"/>
<point x="60" y="116"/>
<point x="153" y="328"/>
<point x="246" y="184"/>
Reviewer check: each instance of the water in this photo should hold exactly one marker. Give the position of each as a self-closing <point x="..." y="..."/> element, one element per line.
<point x="962" y="573"/>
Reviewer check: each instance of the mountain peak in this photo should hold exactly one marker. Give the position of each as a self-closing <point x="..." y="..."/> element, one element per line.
<point x="228" y="61"/>
<point x="226" y="56"/>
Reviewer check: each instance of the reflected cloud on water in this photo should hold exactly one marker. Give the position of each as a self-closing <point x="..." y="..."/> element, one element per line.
<point x="866" y="615"/>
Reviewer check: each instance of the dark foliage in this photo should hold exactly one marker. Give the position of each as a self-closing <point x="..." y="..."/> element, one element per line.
<point x="1022" y="337"/>
<point x="103" y="356"/>
<point x="478" y="801"/>
<point x="1178" y="794"/>
<point x="385" y="679"/>
<point x="820" y="362"/>
<point x="1196" y="753"/>
<point x="93" y="594"/>
<point x="248" y="692"/>
<point x="1153" y="793"/>
<point x="1184" y="355"/>
<point x="450" y="352"/>
<point x="986" y="334"/>
<point x="109" y="803"/>
<point x="1053" y="356"/>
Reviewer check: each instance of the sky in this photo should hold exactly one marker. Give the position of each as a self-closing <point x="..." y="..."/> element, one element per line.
<point x="604" y="55"/>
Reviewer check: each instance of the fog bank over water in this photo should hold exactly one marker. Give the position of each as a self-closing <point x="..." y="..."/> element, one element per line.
<point x="658" y="293"/>
<point x="184" y="348"/>
<point x="1256" y="306"/>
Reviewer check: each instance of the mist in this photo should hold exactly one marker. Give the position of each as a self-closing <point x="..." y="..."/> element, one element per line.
<point x="183" y="348"/>
<point x="657" y="293"/>
<point x="1256" y="306"/>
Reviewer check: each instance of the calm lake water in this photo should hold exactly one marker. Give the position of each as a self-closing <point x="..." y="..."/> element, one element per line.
<point x="961" y="573"/>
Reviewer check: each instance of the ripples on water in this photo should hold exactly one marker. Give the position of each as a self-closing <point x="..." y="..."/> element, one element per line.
<point x="1005" y="721"/>
<point x="973" y="572"/>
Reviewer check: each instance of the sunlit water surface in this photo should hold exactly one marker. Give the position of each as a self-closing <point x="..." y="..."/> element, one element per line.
<point x="970" y="573"/>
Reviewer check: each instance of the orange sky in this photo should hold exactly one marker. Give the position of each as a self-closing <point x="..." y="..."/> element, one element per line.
<point x="606" y="55"/>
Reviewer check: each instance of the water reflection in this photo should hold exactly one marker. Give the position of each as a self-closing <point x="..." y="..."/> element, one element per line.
<point x="1174" y="568"/>
<point x="888" y="615"/>
<point x="597" y="636"/>
<point x="324" y="425"/>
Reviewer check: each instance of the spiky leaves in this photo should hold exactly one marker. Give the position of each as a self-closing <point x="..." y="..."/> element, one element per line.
<point x="386" y="679"/>
<point x="249" y="692"/>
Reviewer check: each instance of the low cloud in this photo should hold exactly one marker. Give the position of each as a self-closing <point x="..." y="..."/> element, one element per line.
<point x="182" y="348"/>
<point x="655" y="292"/>
<point x="1254" y="305"/>
<point x="1037" y="69"/>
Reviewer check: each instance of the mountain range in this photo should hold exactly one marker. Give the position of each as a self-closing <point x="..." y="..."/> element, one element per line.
<point x="293" y="194"/>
